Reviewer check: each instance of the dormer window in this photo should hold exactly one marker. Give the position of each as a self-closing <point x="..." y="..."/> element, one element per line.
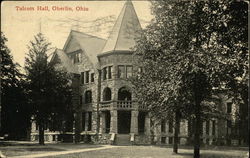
<point x="76" y="57"/>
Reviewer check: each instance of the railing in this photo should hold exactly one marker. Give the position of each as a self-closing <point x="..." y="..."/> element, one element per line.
<point x="121" y="104"/>
<point x="105" y="105"/>
<point x="124" y="104"/>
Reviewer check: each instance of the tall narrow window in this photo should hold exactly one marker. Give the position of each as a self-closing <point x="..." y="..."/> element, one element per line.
<point x="229" y="125"/>
<point x="170" y="127"/>
<point x="90" y="121"/>
<point x="83" y="121"/>
<point x="121" y="71"/>
<point x="80" y="100"/>
<point x="109" y="72"/>
<point x="107" y="118"/>
<point x="104" y="73"/>
<point x="207" y="127"/>
<point x="87" y="76"/>
<point x="82" y="77"/>
<point x="76" y="57"/>
<point x="213" y="127"/>
<point x="92" y="77"/>
<point x="141" y="122"/>
<point x="129" y="70"/>
<point x="106" y="94"/>
<point x="163" y="126"/>
<point x="229" y="108"/>
<point x="88" y="97"/>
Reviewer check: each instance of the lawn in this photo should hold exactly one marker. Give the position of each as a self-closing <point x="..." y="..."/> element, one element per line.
<point x="19" y="149"/>
<point x="155" y="152"/>
<point x="28" y="148"/>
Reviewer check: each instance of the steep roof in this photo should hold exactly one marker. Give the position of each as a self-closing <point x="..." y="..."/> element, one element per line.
<point x="125" y="30"/>
<point x="65" y="61"/>
<point x="92" y="45"/>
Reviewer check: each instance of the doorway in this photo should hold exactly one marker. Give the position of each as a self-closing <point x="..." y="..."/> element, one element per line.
<point x="124" y="121"/>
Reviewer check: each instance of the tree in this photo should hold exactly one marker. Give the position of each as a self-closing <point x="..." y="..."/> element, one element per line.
<point x="184" y="59"/>
<point x="48" y="86"/>
<point x="14" y="111"/>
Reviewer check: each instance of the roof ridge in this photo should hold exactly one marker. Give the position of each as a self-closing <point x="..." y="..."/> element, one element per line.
<point x="87" y="34"/>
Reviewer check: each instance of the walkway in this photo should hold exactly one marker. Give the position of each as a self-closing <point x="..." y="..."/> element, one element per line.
<point x="64" y="152"/>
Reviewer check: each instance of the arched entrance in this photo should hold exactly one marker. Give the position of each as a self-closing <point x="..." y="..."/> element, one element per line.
<point x="124" y="116"/>
<point x="124" y="94"/>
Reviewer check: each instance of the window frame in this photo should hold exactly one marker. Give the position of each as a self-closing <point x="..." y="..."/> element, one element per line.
<point x="87" y="77"/>
<point x="92" y="77"/>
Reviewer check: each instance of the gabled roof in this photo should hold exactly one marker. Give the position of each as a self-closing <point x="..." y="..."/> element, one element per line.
<point x="91" y="45"/>
<point x="125" y="30"/>
<point x="65" y="61"/>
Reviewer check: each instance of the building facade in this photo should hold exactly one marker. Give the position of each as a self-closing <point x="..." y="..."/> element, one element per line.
<point x="107" y="111"/>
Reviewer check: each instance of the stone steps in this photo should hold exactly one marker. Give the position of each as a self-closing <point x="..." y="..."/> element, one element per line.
<point x="123" y="139"/>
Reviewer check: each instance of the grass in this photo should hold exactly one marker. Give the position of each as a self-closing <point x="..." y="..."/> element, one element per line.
<point x="153" y="152"/>
<point x="16" y="149"/>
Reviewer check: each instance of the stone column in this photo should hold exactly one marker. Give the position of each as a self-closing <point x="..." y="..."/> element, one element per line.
<point x="134" y="122"/>
<point x="113" y="121"/>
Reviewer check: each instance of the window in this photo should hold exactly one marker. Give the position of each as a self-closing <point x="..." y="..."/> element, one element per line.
<point x="121" y="71"/>
<point x="163" y="140"/>
<point x="83" y="121"/>
<point x="170" y="127"/>
<point x="125" y="71"/>
<point x="80" y="100"/>
<point x="140" y="69"/>
<point x="107" y="125"/>
<point x="141" y="122"/>
<point x="104" y="73"/>
<point x="124" y="94"/>
<point x="109" y="72"/>
<point x="170" y="140"/>
<point x="90" y="121"/>
<point x="163" y="126"/>
<point x="213" y="127"/>
<point x="129" y="71"/>
<point x="88" y="97"/>
<point x="229" y="108"/>
<point x="92" y="77"/>
<point x="106" y="94"/>
<point x="87" y="76"/>
<point x="82" y="77"/>
<point x="76" y="57"/>
<point x="207" y="127"/>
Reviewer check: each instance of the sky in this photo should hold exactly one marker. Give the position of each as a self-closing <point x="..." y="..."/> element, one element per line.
<point x="21" y="20"/>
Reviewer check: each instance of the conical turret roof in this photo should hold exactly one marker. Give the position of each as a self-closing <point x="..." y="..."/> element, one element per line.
<point x="125" y="30"/>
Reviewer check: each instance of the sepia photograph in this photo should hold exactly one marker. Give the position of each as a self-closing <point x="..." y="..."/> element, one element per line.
<point x="124" y="79"/>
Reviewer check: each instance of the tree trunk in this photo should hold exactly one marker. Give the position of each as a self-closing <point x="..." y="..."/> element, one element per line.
<point x="78" y="126"/>
<point x="41" y="132"/>
<point x="176" y="131"/>
<point x="197" y="131"/>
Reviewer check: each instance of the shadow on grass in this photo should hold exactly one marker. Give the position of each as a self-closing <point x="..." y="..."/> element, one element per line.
<point x="32" y="149"/>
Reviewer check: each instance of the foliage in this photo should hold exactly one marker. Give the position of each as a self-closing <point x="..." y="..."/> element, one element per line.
<point x="187" y="51"/>
<point x="15" y="112"/>
<point x="48" y="88"/>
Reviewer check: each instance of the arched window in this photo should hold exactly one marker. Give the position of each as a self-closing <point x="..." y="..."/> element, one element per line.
<point x="124" y="94"/>
<point x="88" y="97"/>
<point x="107" y="94"/>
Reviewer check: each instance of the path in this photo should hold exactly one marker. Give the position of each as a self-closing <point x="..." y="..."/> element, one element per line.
<point x="64" y="152"/>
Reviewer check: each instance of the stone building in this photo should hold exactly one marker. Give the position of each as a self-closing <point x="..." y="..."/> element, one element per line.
<point x="107" y="111"/>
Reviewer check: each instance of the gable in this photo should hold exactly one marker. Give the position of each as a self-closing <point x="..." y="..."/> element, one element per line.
<point x="64" y="61"/>
<point x="72" y="45"/>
